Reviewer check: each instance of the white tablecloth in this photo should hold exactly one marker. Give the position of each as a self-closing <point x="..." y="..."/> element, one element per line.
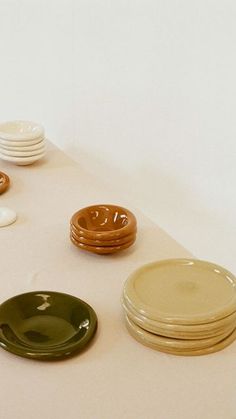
<point x="116" y="377"/>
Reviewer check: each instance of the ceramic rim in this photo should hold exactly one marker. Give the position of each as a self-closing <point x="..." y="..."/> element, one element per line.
<point x="109" y="234"/>
<point x="20" y="144"/>
<point x="174" y="308"/>
<point x="195" y="328"/>
<point x="178" y="343"/>
<point x="21" y="154"/>
<point x="102" y="243"/>
<point x="22" y="160"/>
<point x="100" y="249"/>
<point x="197" y="352"/>
<point x="6" y="132"/>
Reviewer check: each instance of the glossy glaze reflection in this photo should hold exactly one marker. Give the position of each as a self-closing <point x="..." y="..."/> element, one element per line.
<point x="104" y="222"/>
<point x="46" y="325"/>
<point x="4" y="182"/>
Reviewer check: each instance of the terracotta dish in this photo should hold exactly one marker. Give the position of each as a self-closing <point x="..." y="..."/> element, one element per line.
<point x="4" y="182"/>
<point x="116" y="242"/>
<point x="104" y="222"/>
<point x="103" y="229"/>
<point x="101" y="250"/>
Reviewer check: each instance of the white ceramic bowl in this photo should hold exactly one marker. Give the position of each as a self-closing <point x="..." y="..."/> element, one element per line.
<point x="22" y="153"/>
<point x="20" y="130"/>
<point x="20" y="143"/>
<point x="22" y="161"/>
<point x="33" y="147"/>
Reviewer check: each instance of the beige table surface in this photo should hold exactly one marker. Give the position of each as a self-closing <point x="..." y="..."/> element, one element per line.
<point x="116" y="378"/>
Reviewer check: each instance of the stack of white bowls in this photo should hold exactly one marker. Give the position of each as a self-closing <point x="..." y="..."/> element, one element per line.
<point x="21" y="142"/>
<point x="181" y="306"/>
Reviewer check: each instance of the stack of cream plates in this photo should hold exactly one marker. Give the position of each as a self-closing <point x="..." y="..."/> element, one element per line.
<point x="181" y="306"/>
<point x="21" y="142"/>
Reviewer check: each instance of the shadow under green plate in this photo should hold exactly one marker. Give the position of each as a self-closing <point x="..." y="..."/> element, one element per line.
<point x="46" y="325"/>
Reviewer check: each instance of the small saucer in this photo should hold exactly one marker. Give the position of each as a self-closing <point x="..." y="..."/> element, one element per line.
<point x="46" y="325"/>
<point x="4" y="182"/>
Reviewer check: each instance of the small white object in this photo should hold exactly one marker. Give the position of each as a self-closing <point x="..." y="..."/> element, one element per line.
<point x="7" y="216"/>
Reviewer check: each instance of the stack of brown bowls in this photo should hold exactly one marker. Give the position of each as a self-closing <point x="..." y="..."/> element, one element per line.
<point x="103" y="229"/>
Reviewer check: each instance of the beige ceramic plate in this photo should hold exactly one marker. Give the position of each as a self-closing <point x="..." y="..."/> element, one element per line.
<point x="185" y="352"/>
<point x="174" y="343"/>
<point x="100" y="249"/>
<point x="182" y="332"/>
<point x="182" y="291"/>
<point x="215" y="325"/>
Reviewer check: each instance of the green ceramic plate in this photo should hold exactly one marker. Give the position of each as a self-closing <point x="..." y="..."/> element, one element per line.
<point x="46" y="325"/>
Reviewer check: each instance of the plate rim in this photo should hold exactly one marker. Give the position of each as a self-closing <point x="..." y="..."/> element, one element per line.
<point x="153" y="314"/>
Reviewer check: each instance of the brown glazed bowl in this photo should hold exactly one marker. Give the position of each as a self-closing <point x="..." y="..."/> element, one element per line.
<point x="4" y="182"/>
<point x="101" y="250"/>
<point x="104" y="222"/>
<point x="105" y="243"/>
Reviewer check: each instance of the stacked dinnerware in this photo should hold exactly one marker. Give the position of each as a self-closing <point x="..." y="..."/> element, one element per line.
<point x="21" y="142"/>
<point x="181" y="306"/>
<point x="103" y="229"/>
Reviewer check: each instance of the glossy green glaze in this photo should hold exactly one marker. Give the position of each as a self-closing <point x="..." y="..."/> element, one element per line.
<point x="46" y="325"/>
